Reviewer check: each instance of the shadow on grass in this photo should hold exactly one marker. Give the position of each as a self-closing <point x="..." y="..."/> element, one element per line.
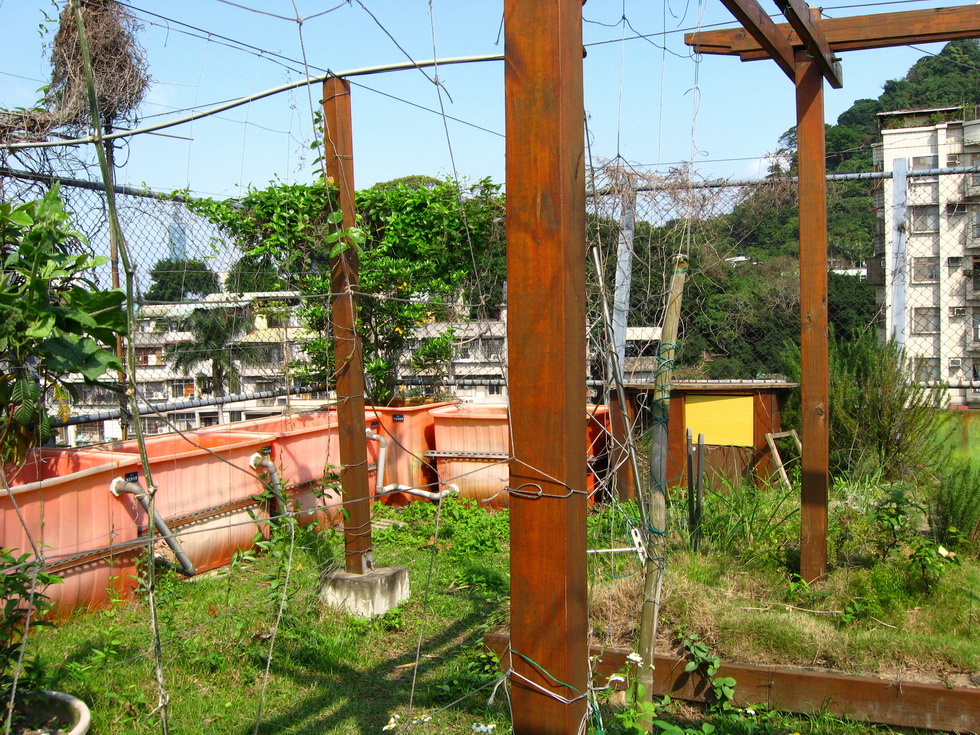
<point x="344" y="697"/>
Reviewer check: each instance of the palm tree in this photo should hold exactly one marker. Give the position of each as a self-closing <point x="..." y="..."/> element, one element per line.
<point x="216" y="339"/>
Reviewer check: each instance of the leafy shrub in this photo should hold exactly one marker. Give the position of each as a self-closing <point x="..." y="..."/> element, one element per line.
<point x="881" y="419"/>
<point x="954" y="508"/>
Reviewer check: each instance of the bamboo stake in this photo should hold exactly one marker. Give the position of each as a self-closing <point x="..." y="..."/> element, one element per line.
<point x="656" y="500"/>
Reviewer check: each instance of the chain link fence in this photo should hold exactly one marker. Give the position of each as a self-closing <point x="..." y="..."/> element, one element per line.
<point x="740" y="310"/>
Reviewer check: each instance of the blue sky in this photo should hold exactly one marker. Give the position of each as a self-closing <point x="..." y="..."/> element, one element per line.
<point x="648" y="100"/>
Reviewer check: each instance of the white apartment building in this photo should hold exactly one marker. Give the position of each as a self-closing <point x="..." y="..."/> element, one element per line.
<point x="927" y="268"/>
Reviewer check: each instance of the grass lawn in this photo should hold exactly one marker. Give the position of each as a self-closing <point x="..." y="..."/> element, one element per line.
<point x="330" y="672"/>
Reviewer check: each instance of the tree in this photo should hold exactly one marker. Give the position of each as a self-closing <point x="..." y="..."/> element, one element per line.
<point x="175" y="279"/>
<point x="250" y="274"/>
<point x="216" y="339"/>
<point x="426" y="251"/>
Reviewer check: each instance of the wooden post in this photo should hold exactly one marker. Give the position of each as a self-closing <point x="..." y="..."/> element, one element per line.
<point x="546" y="343"/>
<point x="339" y="153"/>
<point x="813" y="313"/>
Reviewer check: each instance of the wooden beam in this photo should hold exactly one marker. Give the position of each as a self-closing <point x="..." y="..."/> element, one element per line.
<point x="339" y="153"/>
<point x="887" y="701"/>
<point x="803" y="21"/>
<point x="855" y="33"/>
<point x="814" y="318"/>
<point x="546" y="255"/>
<point x="765" y="32"/>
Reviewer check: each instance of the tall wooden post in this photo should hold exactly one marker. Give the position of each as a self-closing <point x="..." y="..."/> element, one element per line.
<point x="813" y="312"/>
<point x="339" y="153"/>
<point x="546" y="335"/>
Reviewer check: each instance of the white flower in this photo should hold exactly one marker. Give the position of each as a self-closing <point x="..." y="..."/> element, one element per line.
<point x="616" y="677"/>
<point x="750" y="712"/>
<point x="483" y="728"/>
<point x="392" y="723"/>
<point x="635" y="658"/>
<point x="943" y="551"/>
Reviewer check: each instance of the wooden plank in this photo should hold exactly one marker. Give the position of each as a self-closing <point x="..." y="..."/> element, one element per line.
<point x="814" y="318"/>
<point x="804" y="22"/>
<point x="765" y="32"/>
<point x="886" y="701"/>
<point x="339" y="153"/>
<point x="854" y="33"/>
<point x="545" y="173"/>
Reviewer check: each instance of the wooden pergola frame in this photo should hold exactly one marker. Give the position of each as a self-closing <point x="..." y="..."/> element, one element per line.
<point x="805" y="48"/>
<point x="548" y="653"/>
<point x="546" y="297"/>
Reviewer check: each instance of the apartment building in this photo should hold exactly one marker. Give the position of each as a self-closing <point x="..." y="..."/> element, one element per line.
<point x="927" y="266"/>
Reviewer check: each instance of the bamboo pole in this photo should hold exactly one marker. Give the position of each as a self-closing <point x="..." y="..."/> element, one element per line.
<point x="655" y="514"/>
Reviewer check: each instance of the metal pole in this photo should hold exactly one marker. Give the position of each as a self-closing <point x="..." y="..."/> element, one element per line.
<point x="546" y="342"/>
<point x="899" y="273"/>
<point x="813" y="312"/>
<point x="618" y="400"/>
<point x="339" y="154"/>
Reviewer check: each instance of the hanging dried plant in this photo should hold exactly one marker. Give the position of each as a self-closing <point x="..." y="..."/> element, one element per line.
<point x="118" y="66"/>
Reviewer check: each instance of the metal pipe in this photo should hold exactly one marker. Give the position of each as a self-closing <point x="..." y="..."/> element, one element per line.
<point x="121" y="485"/>
<point x="379" y="477"/>
<point x="439" y="496"/>
<point x="263" y="460"/>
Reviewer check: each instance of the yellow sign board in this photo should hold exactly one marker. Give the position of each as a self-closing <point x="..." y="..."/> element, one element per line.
<point x="724" y="420"/>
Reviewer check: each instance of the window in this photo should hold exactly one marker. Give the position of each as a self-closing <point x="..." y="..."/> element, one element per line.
<point x="923" y="163"/>
<point x="976" y="325"/>
<point x="925" y="218"/>
<point x="493" y="348"/>
<point x="927" y="368"/>
<point x="976" y="375"/>
<point x="463" y="352"/>
<point x="493" y="390"/>
<point x="925" y="270"/>
<point x="925" y="320"/>
<point x="182" y="388"/>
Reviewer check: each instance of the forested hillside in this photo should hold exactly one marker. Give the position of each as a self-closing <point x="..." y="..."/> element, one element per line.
<point x="739" y="319"/>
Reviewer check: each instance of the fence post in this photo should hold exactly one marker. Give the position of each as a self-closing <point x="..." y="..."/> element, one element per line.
<point x="813" y="312"/>
<point x="618" y="401"/>
<point x="898" y="273"/>
<point x="339" y="154"/>
<point x="545" y="119"/>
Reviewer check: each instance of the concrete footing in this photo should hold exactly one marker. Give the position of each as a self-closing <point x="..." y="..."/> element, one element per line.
<point x="367" y="595"/>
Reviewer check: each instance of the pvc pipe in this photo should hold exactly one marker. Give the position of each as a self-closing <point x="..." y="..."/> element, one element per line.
<point x="120" y="485"/>
<point x="381" y="489"/>
<point x="275" y="484"/>
<point x="450" y="490"/>
<point x="379" y="477"/>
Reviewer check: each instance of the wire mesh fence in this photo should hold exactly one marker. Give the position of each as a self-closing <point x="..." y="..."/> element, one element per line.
<point x="216" y="327"/>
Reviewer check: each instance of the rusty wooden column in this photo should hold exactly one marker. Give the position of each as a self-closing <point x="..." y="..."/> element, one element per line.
<point x="546" y="334"/>
<point x="811" y="150"/>
<point x="339" y="154"/>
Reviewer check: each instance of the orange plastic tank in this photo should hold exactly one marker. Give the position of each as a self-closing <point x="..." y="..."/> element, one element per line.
<point x="60" y="499"/>
<point x="410" y="431"/>
<point x="204" y="490"/>
<point x="472" y="449"/>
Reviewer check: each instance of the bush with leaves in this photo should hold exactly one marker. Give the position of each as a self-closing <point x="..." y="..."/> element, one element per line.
<point x="883" y="422"/>
<point x="54" y="319"/>
<point x="954" y="505"/>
